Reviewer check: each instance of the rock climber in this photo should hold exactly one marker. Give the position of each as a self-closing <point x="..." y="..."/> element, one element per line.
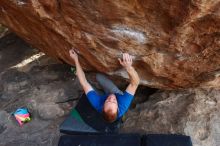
<point x="114" y="103"/>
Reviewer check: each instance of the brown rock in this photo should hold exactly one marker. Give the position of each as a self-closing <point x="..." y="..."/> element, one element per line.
<point x="175" y="43"/>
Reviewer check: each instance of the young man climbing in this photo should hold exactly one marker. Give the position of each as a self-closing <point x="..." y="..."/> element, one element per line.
<point x="114" y="103"/>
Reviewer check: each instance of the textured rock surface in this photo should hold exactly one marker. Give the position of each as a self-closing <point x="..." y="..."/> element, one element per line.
<point x="37" y="85"/>
<point x="48" y="111"/>
<point x="192" y="112"/>
<point x="175" y="42"/>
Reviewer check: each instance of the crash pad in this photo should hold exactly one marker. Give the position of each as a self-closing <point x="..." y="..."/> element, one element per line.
<point x="101" y="140"/>
<point x="166" y="140"/>
<point x="85" y="119"/>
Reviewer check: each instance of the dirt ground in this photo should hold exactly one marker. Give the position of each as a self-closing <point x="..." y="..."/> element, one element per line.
<point x="32" y="80"/>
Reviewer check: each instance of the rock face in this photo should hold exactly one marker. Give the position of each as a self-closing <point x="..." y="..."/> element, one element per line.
<point x="175" y="43"/>
<point x="192" y="112"/>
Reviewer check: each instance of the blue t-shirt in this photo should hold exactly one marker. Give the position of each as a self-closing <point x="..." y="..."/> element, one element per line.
<point x="97" y="101"/>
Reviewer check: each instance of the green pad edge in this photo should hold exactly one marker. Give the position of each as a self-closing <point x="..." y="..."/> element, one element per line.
<point x="76" y="115"/>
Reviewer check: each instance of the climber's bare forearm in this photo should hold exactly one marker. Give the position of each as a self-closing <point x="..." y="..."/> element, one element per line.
<point x="82" y="78"/>
<point x="134" y="80"/>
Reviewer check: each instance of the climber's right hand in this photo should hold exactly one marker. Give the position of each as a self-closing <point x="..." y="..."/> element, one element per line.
<point x="127" y="61"/>
<point x="73" y="54"/>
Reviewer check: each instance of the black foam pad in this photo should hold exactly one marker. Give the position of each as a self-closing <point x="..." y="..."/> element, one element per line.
<point x="100" y="140"/>
<point x="94" y="118"/>
<point x="85" y="119"/>
<point x="72" y="126"/>
<point x="166" y="140"/>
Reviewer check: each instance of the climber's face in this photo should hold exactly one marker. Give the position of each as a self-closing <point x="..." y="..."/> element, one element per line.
<point x="111" y="107"/>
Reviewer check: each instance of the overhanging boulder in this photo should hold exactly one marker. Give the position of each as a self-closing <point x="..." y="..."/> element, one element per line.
<point x="175" y="43"/>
